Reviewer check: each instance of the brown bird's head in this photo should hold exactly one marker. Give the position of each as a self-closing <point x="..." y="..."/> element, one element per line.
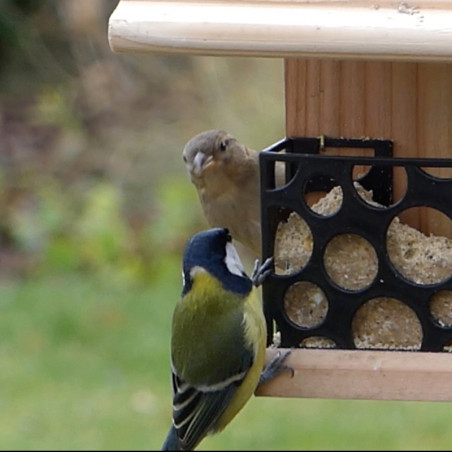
<point x="225" y="174"/>
<point x="212" y="152"/>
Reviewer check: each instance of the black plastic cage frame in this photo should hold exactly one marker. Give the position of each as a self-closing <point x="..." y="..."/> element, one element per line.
<point x="306" y="171"/>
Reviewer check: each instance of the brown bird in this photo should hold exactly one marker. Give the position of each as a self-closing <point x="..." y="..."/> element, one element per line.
<point x="226" y="175"/>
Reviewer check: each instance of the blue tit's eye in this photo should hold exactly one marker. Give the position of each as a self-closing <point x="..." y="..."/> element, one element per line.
<point x="223" y="145"/>
<point x="184" y="158"/>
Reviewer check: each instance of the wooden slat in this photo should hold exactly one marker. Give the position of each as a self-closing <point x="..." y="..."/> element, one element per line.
<point x="347" y="29"/>
<point x="362" y="374"/>
<point x="409" y="103"/>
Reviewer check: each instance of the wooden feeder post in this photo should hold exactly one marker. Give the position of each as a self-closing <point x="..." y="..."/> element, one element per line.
<point x="379" y="69"/>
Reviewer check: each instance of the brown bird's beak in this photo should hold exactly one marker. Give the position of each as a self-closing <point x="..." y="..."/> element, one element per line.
<point x="201" y="162"/>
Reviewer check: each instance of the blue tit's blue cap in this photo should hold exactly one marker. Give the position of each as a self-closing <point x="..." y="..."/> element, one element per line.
<point x="208" y="249"/>
<point x="206" y="246"/>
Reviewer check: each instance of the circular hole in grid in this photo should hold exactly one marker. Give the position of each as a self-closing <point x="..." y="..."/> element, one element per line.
<point x="399" y="186"/>
<point x="360" y="171"/>
<point x="305" y="304"/>
<point x="323" y="195"/>
<point x="318" y="342"/>
<point x="280" y="174"/>
<point x="442" y="173"/>
<point x="386" y="323"/>
<point x="350" y="261"/>
<point x="293" y="245"/>
<point x="440" y="306"/>
<point x="423" y="258"/>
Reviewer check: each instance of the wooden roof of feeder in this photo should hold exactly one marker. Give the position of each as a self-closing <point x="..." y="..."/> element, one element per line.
<point x="398" y="85"/>
<point x="381" y="29"/>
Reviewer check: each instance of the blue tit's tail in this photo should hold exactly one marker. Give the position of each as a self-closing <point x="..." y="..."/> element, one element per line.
<point x="172" y="440"/>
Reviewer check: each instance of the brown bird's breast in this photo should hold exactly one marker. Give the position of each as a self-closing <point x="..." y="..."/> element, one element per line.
<point x="238" y="210"/>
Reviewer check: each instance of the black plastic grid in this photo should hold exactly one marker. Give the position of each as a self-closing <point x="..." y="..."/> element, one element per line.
<point x="307" y="171"/>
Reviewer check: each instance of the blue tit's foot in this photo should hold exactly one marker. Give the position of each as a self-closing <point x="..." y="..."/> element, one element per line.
<point x="275" y="367"/>
<point x="261" y="272"/>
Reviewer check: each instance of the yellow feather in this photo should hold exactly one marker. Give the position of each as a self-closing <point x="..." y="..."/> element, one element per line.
<point x="255" y="334"/>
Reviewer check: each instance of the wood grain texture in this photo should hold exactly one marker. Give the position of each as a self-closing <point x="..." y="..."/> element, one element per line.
<point x="410" y="103"/>
<point x="346" y="29"/>
<point x="360" y="374"/>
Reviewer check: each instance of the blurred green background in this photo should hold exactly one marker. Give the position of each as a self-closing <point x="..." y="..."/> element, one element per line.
<point x="96" y="208"/>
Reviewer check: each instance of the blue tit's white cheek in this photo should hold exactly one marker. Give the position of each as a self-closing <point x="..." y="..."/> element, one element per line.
<point x="233" y="262"/>
<point x="195" y="270"/>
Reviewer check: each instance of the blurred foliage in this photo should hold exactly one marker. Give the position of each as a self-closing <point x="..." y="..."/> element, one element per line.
<point x="91" y="176"/>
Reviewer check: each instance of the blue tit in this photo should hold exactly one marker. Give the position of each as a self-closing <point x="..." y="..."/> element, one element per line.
<point x="218" y="339"/>
<point x="225" y="174"/>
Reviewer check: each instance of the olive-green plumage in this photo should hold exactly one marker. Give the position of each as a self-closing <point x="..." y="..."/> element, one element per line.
<point x="208" y="324"/>
<point x="218" y="341"/>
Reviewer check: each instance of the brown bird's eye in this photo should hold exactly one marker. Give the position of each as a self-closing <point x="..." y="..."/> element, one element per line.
<point x="223" y="145"/>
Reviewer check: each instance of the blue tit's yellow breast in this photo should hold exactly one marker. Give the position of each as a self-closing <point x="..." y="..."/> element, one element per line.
<point x="255" y="334"/>
<point x="211" y="331"/>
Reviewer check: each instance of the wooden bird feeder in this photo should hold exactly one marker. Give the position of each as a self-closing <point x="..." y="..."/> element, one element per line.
<point x="367" y="70"/>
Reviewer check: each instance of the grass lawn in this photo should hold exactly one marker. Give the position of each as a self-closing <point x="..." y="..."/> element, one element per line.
<point x="85" y="366"/>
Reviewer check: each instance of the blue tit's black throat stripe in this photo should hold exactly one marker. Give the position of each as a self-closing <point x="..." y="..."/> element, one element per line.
<point x="207" y="249"/>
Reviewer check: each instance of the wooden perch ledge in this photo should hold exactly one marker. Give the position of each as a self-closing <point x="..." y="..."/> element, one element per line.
<point x="376" y="29"/>
<point x="362" y="374"/>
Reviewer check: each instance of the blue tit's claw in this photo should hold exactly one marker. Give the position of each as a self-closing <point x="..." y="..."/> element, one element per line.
<point x="261" y="272"/>
<point x="275" y="367"/>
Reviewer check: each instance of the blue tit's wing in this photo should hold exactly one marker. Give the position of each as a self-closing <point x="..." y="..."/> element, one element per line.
<point x="196" y="410"/>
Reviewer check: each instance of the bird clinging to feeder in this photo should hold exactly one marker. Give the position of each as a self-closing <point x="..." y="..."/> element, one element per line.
<point x="225" y="173"/>
<point x="218" y="340"/>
